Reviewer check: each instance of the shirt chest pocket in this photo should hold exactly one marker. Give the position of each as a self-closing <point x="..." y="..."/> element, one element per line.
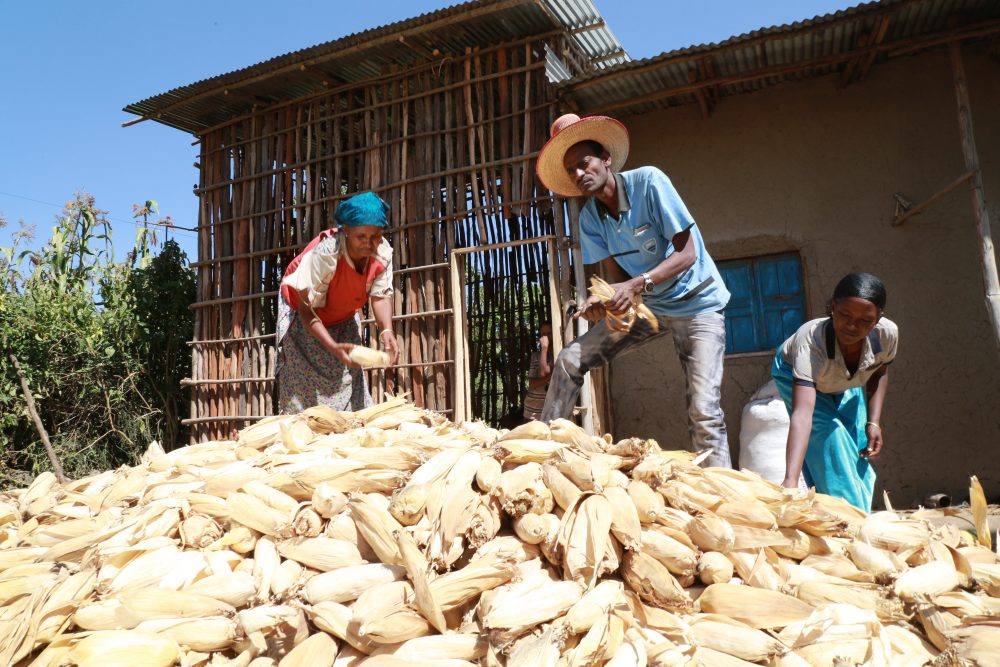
<point x="647" y="239"/>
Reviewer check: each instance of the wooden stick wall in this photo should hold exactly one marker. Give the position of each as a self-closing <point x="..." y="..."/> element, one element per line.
<point x="451" y="146"/>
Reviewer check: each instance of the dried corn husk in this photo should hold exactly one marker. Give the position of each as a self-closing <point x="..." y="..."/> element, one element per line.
<point x="452" y="646"/>
<point x="335" y="618"/>
<point x="838" y="566"/>
<point x="455" y="578"/>
<point x="367" y="357"/>
<point x="535" y="528"/>
<point x="908" y="644"/>
<point x="488" y="473"/>
<point x="937" y="624"/>
<point x="648" y="503"/>
<point x="758" y="608"/>
<point x="595" y="603"/>
<point x="254" y="513"/>
<point x="522" y="490"/>
<point x="319" y="650"/>
<point x="879" y="563"/>
<point x="408" y="503"/>
<point x="625" y="524"/>
<point x="532" y="430"/>
<point x="927" y="580"/>
<point x="600" y="642"/>
<point x="711" y="533"/>
<point x="734" y="638"/>
<point x="328" y="501"/>
<point x="377" y="527"/>
<point x="714" y="568"/>
<point x="540" y="651"/>
<point x="204" y="633"/>
<point x="977" y="502"/>
<point x="124" y="648"/>
<point x="756" y="569"/>
<point x="819" y="593"/>
<point x="527" y="603"/>
<point x="626" y="321"/>
<point x="653" y="581"/>
<point x="585" y="539"/>
<point x="320" y="553"/>
<point x="564" y="492"/>
<point x="234" y="588"/>
<point x="987" y="576"/>
<point x="979" y="645"/>
<point x="665" y="546"/>
<point x="888" y="532"/>
<point x="199" y="531"/>
<point x="481" y="574"/>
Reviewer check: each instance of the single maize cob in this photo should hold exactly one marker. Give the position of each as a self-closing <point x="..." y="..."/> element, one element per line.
<point x="931" y="579"/>
<point x="734" y="638"/>
<point x="367" y="357"/>
<point x="648" y="503"/>
<point x="714" y="568"/>
<point x="757" y="607"/>
<point x="317" y="650"/>
<point x="204" y="633"/>
<point x="711" y="533"/>
<point x="124" y="648"/>
<point x="320" y="553"/>
<point x="677" y="556"/>
<point x="653" y="581"/>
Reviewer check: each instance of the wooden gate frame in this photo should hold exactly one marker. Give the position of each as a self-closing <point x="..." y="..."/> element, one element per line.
<point x="462" y="394"/>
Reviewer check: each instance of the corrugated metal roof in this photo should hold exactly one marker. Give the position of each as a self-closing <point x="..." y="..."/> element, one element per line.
<point x="594" y="36"/>
<point x="815" y="47"/>
<point x="367" y="54"/>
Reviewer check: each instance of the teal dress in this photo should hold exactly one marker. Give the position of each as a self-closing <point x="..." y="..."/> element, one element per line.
<point x="833" y="462"/>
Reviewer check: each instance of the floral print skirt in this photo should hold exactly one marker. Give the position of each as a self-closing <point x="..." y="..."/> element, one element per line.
<point x="309" y="375"/>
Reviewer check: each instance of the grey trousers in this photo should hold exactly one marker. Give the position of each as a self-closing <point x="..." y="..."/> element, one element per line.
<point x="700" y="342"/>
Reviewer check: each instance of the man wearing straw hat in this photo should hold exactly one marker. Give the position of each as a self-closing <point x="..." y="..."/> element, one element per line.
<point x="637" y="227"/>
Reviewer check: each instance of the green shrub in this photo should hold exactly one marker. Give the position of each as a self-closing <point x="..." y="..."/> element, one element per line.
<point x="100" y="342"/>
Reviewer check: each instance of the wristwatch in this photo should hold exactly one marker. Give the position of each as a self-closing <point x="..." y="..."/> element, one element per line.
<point x="647" y="285"/>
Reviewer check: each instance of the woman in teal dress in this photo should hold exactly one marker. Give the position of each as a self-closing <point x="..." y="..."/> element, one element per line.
<point x="833" y="374"/>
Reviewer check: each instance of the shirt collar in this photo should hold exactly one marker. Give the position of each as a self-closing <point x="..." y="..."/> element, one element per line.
<point x="624" y="204"/>
<point x="872" y="346"/>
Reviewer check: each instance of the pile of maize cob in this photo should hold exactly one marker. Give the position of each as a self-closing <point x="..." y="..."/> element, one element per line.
<point x="392" y="536"/>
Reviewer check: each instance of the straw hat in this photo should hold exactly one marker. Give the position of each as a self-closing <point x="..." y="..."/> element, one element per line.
<point x="568" y="130"/>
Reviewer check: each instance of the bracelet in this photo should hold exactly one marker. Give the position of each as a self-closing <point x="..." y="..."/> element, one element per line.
<point x="875" y="424"/>
<point x="383" y="332"/>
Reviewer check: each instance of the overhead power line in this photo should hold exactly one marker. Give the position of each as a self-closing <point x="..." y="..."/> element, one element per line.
<point x="190" y="231"/>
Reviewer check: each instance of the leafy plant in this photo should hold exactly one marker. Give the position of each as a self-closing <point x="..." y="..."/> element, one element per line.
<point x="101" y="344"/>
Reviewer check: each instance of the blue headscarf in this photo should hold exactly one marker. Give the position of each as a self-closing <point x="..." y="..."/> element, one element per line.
<point x="366" y="208"/>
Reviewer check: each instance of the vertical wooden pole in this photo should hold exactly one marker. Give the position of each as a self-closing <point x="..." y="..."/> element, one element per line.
<point x="555" y="303"/>
<point x="29" y="400"/>
<point x="586" y="391"/>
<point x="978" y="198"/>
<point x="460" y="344"/>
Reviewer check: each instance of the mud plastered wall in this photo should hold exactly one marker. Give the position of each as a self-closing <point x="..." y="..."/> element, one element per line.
<point x="807" y="167"/>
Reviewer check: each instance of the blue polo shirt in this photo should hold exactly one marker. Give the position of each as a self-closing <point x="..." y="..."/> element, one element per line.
<point x="652" y="215"/>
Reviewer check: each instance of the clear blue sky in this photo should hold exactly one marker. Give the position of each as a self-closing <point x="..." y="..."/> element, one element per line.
<point x="69" y="67"/>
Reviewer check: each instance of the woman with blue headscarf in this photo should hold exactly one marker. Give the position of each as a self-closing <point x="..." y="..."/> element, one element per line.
<point x="322" y="293"/>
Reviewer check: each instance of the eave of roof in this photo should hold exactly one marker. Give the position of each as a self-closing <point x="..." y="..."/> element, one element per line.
<point x="854" y="38"/>
<point x="367" y="54"/>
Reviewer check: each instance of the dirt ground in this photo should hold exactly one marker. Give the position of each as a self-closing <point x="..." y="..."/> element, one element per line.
<point x="960" y="517"/>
